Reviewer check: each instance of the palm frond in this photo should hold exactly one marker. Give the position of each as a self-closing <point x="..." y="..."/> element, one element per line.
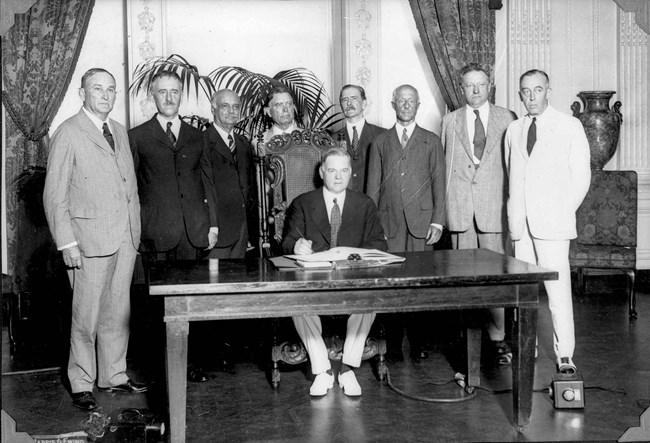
<point x="189" y="74"/>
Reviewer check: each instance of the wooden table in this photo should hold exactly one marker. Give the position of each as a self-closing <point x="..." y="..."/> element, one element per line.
<point x="440" y="280"/>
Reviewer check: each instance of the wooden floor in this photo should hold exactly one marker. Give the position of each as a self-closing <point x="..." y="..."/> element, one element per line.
<point x="613" y="354"/>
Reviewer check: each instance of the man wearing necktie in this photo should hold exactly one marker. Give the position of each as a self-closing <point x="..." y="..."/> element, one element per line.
<point x="548" y="157"/>
<point x="406" y="179"/>
<point x="281" y="109"/>
<point x="331" y="216"/>
<point x="231" y="157"/>
<point x="472" y="137"/>
<point x="357" y="133"/>
<point x="93" y="211"/>
<point x="179" y="211"/>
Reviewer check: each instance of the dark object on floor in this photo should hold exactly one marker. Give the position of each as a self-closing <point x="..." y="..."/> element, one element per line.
<point x="131" y="387"/>
<point x="502" y="353"/>
<point x="95" y="425"/>
<point x="567" y="391"/>
<point x="133" y="425"/>
<point x="196" y="374"/>
<point x="84" y="400"/>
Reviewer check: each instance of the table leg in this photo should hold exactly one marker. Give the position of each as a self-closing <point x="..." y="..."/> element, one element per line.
<point x="176" y="354"/>
<point x="523" y="364"/>
<point x="473" y="358"/>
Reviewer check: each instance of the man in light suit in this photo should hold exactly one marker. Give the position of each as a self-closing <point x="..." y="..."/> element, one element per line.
<point x="179" y="208"/>
<point x="476" y="213"/>
<point x="233" y="176"/>
<point x="548" y="163"/>
<point x="357" y="133"/>
<point x="92" y="207"/>
<point x="281" y="108"/>
<point x="319" y="220"/>
<point x="406" y="179"/>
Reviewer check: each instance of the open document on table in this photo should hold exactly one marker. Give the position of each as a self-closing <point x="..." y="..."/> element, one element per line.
<point x="341" y="257"/>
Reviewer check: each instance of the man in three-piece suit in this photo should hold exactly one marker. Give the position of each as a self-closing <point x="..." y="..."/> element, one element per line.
<point x="233" y="176"/>
<point x="547" y="154"/>
<point x="179" y="210"/>
<point x="319" y="220"/>
<point x="92" y="207"/>
<point x="472" y="137"/>
<point x="357" y="133"/>
<point x="406" y="178"/>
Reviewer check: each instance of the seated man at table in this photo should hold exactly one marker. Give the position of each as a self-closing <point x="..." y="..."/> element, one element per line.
<point x="323" y="219"/>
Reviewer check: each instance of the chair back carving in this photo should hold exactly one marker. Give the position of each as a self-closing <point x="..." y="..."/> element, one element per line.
<point x="293" y="161"/>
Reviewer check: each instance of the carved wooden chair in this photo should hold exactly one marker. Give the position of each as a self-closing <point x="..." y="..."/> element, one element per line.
<point x="293" y="161"/>
<point x="607" y="229"/>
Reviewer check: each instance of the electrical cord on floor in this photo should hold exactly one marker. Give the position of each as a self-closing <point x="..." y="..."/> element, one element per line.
<point x="428" y="399"/>
<point x="546" y="390"/>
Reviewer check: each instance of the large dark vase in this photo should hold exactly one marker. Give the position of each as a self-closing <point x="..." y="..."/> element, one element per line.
<point x="602" y="125"/>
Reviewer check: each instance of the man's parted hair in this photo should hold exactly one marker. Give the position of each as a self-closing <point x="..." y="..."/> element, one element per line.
<point x="92" y="71"/>
<point x="362" y="92"/>
<point x="332" y="152"/>
<point x="279" y="89"/>
<point x="533" y="72"/>
<point x="165" y="74"/>
<point x="472" y="67"/>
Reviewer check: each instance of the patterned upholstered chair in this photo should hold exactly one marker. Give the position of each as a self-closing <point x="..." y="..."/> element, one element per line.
<point x="293" y="161"/>
<point x="607" y="228"/>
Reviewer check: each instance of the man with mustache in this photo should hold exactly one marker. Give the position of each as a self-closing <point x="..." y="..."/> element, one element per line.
<point x="357" y="133"/>
<point x="179" y="211"/>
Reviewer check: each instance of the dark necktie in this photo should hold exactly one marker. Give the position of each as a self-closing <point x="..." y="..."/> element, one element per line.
<point x="232" y="146"/>
<point x="335" y="224"/>
<point x="170" y="134"/>
<point x="479" y="136"/>
<point x="108" y="136"/>
<point x="355" y="141"/>
<point x="405" y="138"/>
<point x="532" y="136"/>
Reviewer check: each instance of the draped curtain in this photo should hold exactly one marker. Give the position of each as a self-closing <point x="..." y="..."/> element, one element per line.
<point x="455" y="33"/>
<point x="39" y="55"/>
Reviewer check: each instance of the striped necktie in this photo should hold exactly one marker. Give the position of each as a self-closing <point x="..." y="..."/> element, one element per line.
<point x="232" y="147"/>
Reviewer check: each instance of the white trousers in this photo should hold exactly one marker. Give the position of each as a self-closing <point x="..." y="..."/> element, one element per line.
<point x="310" y="331"/>
<point x="494" y="241"/>
<point x="101" y="310"/>
<point x="553" y="255"/>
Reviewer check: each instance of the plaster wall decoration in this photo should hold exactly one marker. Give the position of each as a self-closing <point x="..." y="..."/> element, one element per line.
<point x="530" y="43"/>
<point x="363" y="46"/>
<point x="633" y="77"/>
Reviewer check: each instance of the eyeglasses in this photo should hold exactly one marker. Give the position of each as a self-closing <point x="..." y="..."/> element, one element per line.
<point x="281" y="106"/>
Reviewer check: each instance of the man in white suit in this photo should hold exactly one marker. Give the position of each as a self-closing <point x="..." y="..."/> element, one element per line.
<point x="92" y="207"/>
<point x="472" y="137"/>
<point x="548" y="158"/>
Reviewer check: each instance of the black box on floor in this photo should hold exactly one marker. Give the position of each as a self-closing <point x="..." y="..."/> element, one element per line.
<point x="134" y="426"/>
<point x="567" y="391"/>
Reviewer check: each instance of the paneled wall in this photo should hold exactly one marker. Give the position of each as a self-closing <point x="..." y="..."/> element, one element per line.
<point x="584" y="45"/>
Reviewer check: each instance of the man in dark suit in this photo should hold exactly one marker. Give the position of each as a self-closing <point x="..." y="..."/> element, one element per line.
<point x="357" y="133"/>
<point x="179" y="218"/>
<point x="476" y="195"/>
<point x="92" y="207"/>
<point x="319" y="220"/>
<point x="406" y="178"/>
<point x="233" y="175"/>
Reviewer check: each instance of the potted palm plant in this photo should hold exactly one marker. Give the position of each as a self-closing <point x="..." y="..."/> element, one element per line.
<point x="314" y="107"/>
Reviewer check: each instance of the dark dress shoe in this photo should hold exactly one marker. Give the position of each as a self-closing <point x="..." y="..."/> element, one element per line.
<point x="131" y="387"/>
<point x="196" y="374"/>
<point x="84" y="400"/>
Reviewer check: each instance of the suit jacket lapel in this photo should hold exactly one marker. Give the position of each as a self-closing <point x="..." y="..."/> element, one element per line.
<point x="220" y="145"/>
<point x="93" y="132"/>
<point x="183" y="136"/>
<point x="462" y="132"/>
<point x="321" y="218"/>
<point x="158" y="133"/>
<point x="493" y="137"/>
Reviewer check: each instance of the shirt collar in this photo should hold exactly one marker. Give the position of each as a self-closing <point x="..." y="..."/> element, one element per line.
<point x="359" y="125"/>
<point x="329" y="197"/>
<point x="97" y="122"/>
<point x="483" y="110"/>
<point x="400" y="129"/>
<point x="222" y="132"/>
<point x="175" y="121"/>
<point x="276" y="130"/>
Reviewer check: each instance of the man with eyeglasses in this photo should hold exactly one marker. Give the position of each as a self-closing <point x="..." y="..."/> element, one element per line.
<point x="472" y="137"/>
<point x="233" y="177"/>
<point x="93" y="211"/>
<point x="357" y="133"/>
<point x="282" y="110"/>
<point x="331" y="216"/>
<point x="179" y="211"/>
<point x="549" y="175"/>
<point x="406" y="179"/>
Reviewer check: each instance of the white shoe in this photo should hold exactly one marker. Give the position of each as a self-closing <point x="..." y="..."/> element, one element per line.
<point x="348" y="382"/>
<point x="321" y="384"/>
